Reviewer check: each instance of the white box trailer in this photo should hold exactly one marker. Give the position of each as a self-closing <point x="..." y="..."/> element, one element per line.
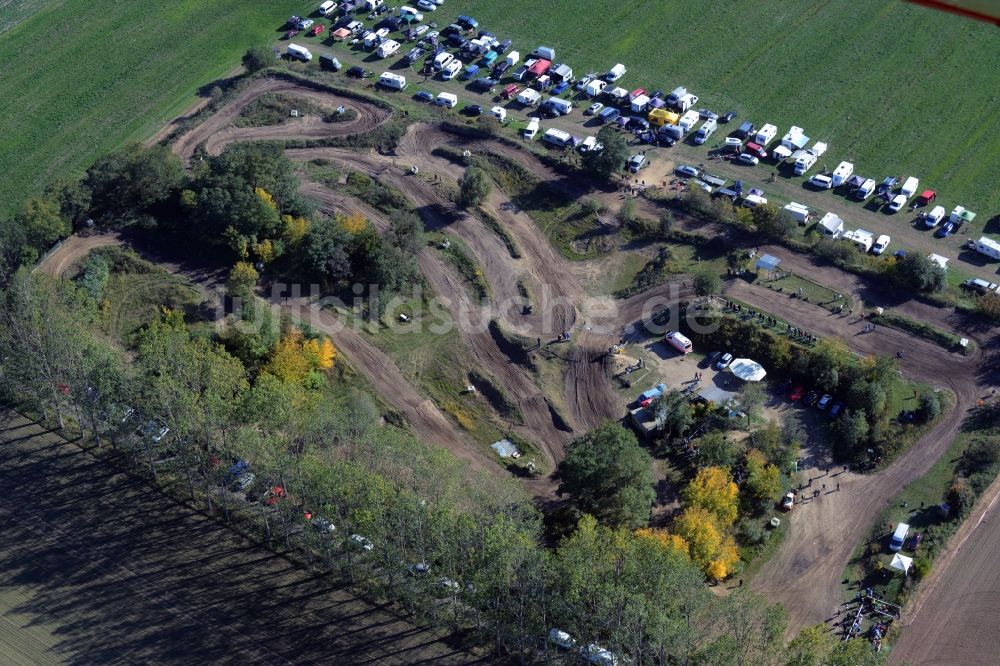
<point x="989" y="247"/>
<point x="797" y="212"/>
<point x="688" y="120"/>
<point x="686" y="102"/>
<point x="392" y="81"/>
<point x="556" y="137"/>
<point x="843" y="171"/>
<point x="765" y="135"/>
<point x="387" y="48"/>
<point x="639" y="103"/>
<point x="863" y="239"/>
<point x="529" y="97"/>
<point x="446" y="99"/>
<point x="299" y="52"/>
<point x="512" y="59"/>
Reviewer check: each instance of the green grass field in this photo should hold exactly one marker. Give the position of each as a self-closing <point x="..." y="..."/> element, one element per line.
<point x="892" y="87"/>
<point x="80" y="78"/>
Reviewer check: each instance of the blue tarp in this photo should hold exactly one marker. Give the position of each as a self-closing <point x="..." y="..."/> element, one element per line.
<point x="768" y="263"/>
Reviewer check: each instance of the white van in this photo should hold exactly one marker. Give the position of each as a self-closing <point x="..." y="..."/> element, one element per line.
<point x="452" y="69"/>
<point x="909" y="187"/>
<point x="442" y="60"/>
<point x="532" y="129"/>
<point x="299" y="52"/>
<point x="615" y="73"/>
<point x="499" y="113"/>
<point x="679" y="341"/>
<point x="446" y="99"/>
<point x="898" y="537"/>
<point x="392" y="81"/>
<point x="705" y="131"/>
<point x="327" y="8"/>
<point x="797" y="212"/>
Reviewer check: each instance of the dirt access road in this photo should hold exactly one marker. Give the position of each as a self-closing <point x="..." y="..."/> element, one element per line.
<point x="98" y="567"/>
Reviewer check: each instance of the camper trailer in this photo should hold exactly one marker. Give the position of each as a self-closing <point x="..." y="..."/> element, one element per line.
<point x="299" y="52"/>
<point x="765" y="135"/>
<point x="392" y="81"/>
<point x="842" y="173"/>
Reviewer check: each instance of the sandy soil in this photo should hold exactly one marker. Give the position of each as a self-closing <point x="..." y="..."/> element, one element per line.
<point x="97" y="567"/>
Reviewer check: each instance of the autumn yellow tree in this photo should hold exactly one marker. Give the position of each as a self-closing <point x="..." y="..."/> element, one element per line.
<point x="709" y="546"/>
<point x="264" y="251"/>
<point x="294" y="357"/>
<point x="320" y="353"/>
<point x="713" y="489"/>
<point x="242" y="279"/>
<point x="354" y="223"/>
<point x="295" y="228"/>
<point x="266" y="197"/>
<point x="763" y="480"/>
<point x="664" y="539"/>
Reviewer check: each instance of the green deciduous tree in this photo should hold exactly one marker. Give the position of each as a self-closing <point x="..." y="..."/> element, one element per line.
<point x="474" y="187"/>
<point x="608" y="475"/>
<point x="763" y="480"/>
<point x="257" y="58"/>
<point x="707" y="283"/>
<point x="674" y="409"/>
<point x="43" y="222"/>
<point x="915" y="271"/>
<point x="606" y="163"/>
<point x="132" y="180"/>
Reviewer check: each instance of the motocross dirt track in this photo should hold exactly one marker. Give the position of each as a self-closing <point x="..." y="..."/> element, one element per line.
<point x="805" y="573"/>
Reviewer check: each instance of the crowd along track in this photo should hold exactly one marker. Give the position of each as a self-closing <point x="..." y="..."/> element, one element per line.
<point x="805" y="572"/>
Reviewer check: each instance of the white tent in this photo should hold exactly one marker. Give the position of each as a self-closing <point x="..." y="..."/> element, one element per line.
<point x="901" y="563"/>
<point x="747" y="370"/>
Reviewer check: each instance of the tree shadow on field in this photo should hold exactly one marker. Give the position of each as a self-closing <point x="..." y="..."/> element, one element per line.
<point x="115" y="571"/>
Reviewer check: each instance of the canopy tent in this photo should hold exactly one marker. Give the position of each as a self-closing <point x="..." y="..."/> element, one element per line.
<point x="748" y="370"/>
<point x="768" y="263"/>
<point x="901" y="563"/>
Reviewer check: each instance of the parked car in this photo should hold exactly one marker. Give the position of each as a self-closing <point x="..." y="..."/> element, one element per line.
<point x="361" y="542"/>
<point x="322" y="525"/>
<point x="747" y="158"/>
<point x="824" y="401"/>
<point x="637" y="162"/>
<point x="357" y="72"/>
<point x="915" y="541"/>
<point x="426" y="5"/>
<point x="821" y="181"/>
<point x="788" y="501"/>
<point x="897" y="203"/>
<point x="594" y="108"/>
<point x="688" y="171"/>
<point x="724" y="361"/>
<point x="945" y="230"/>
<point x="419" y="569"/>
<point x="727" y="117"/>
<point x="424" y="96"/>
<point x="559" y="89"/>
<point x="473" y="110"/>
<point x="837" y="408"/>
<point x="561" y="639"/>
<point x="796" y="393"/>
<point x="705" y="114"/>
